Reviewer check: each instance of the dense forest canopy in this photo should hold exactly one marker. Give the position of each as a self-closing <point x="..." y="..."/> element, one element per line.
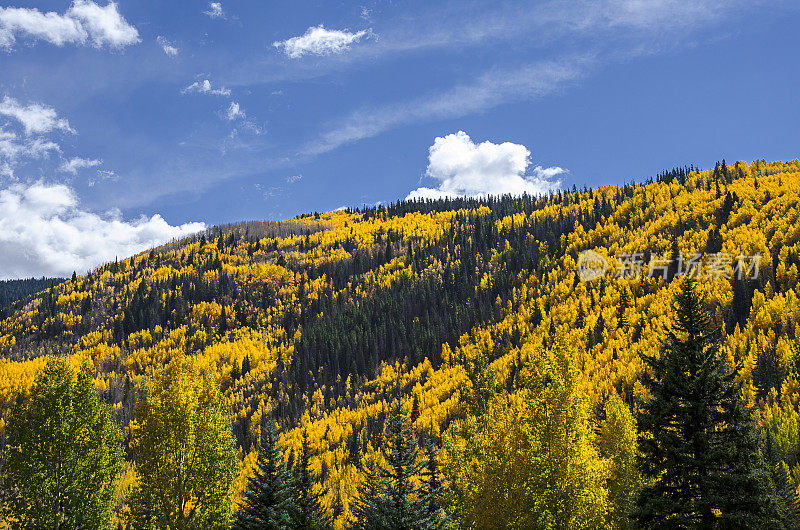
<point x="13" y="290"/>
<point x="321" y="323"/>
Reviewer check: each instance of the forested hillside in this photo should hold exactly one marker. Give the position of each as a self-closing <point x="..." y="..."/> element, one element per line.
<point x="13" y="290"/>
<point x="320" y="323"/>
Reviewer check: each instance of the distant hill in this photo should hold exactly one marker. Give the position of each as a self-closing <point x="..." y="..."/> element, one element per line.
<point x="320" y="321"/>
<point x="13" y="290"/>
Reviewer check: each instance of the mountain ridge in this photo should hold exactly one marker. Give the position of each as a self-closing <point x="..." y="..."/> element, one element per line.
<point x="320" y="321"/>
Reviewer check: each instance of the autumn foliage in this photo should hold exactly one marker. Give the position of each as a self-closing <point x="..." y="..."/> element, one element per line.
<point x="469" y="312"/>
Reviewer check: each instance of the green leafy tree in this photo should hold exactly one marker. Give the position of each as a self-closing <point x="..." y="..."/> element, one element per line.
<point x="267" y="503"/>
<point x="63" y="453"/>
<point x="531" y="462"/>
<point x="394" y="496"/>
<point x="617" y="443"/>
<point x="309" y="514"/>
<point x="698" y="444"/>
<point x="183" y="451"/>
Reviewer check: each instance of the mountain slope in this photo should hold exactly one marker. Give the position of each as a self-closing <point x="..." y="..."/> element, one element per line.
<point x="320" y="321"/>
<point x="13" y="290"/>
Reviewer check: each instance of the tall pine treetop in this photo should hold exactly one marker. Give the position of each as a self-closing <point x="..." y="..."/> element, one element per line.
<point x="267" y="503"/>
<point x="395" y="496"/>
<point x="698" y="442"/>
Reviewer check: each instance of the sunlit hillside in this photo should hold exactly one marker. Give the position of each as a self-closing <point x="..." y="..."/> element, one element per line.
<point x="321" y="321"/>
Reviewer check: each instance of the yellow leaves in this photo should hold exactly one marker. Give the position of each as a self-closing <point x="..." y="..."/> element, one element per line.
<point x="222" y="356"/>
<point x="184" y="452"/>
<point x="155" y="355"/>
<point x="16" y="377"/>
<point x="6" y="341"/>
<point x="275" y="274"/>
<point x="162" y="273"/>
<point x="93" y="339"/>
<point x="246" y="469"/>
<point x="140" y="339"/>
<point x="317" y="403"/>
<point x="529" y="461"/>
<point x="66" y="299"/>
<point x="101" y="385"/>
<point x="262" y="325"/>
<point x="205" y="314"/>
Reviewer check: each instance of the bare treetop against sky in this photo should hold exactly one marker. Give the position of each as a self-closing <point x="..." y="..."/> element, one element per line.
<point x="125" y="124"/>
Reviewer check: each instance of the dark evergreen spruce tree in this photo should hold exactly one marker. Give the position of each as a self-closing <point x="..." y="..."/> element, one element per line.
<point x="698" y="443"/>
<point x="267" y="502"/>
<point x="392" y="497"/>
<point x="310" y="514"/>
<point x="769" y="371"/>
<point x="787" y="496"/>
<point x="781" y="477"/>
<point x="372" y="511"/>
<point x="434" y="489"/>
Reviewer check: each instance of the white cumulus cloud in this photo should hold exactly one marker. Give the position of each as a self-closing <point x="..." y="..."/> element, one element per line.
<point x="215" y="10"/>
<point x="105" y="25"/>
<point x="463" y="168"/>
<point x="34" y="118"/>
<point x="44" y="231"/>
<point x="75" y="163"/>
<point x="320" y="41"/>
<point x="204" y="87"/>
<point x="52" y="27"/>
<point x="84" y="22"/>
<point x="168" y="47"/>
<point x="234" y="111"/>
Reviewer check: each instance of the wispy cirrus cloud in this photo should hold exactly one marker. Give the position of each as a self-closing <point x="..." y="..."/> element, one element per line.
<point x="85" y="22"/>
<point x="32" y="134"/>
<point x="76" y="163"/>
<point x="601" y="32"/>
<point x="27" y="138"/>
<point x="549" y="21"/>
<point x="320" y="41"/>
<point x="204" y="87"/>
<point x="14" y="149"/>
<point x="489" y="90"/>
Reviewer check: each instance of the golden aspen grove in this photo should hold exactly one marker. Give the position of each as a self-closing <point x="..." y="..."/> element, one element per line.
<point x="471" y="314"/>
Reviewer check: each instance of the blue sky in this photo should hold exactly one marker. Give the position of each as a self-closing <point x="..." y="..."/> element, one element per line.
<point x="125" y="124"/>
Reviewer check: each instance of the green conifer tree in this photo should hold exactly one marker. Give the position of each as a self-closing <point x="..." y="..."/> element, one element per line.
<point x="434" y="489"/>
<point x="267" y="503"/>
<point x="698" y="443"/>
<point x="782" y="478"/>
<point x="394" y="497"/>
<point x="309" y="514"/>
